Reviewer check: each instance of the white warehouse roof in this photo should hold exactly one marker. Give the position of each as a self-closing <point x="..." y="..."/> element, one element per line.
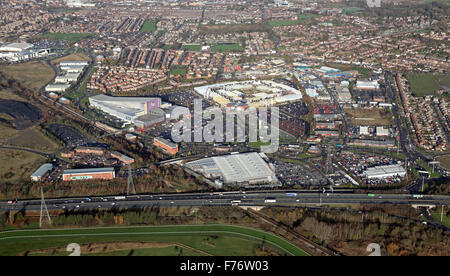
<point x="237" y="168"/>
<point x="385" y="171"/>
<point x="16" y="47"/>
<point x="39" y="173"/>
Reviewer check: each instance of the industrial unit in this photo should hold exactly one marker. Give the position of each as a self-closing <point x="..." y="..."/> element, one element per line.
<point x="41" y="172"/>
<point x="57" y="87"/>
<point x="386" y="171"/>
<point x="122" y="157"/>
<point x="87" y="174"/>
<point x="127" y="109"/>
<point x="166" y="145"/>
<point x="236" y="169"/>
<point x="21" y="52"/>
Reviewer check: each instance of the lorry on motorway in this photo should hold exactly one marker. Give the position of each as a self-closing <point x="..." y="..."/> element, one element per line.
<point x="291" y="194"/>
<point x="417" y="196"/>
<point x="88" y="199"/>
<point x="371" y="195"/>
<point x="235" y="202"/>
<point x="119" y="197"/>
<point x="270" y="200"/>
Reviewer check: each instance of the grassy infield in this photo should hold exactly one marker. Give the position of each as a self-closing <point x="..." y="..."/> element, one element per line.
<point x="226" y="240"/>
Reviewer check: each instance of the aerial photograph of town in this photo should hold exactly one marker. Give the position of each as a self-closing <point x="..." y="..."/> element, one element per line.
<point x="227" y="129"/>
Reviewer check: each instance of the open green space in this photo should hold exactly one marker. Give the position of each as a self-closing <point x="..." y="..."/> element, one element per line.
<point x="149" y="27"/>
<point x="350" y="10"/>
<point x="229" y="47"/>
<point x="71" y="57"/>
<point x="32" y="74"/>
<point x="233" y="28"/>
<point x="300" y="19"/>
<point x="258" y="144"/>
<point x="33" y="139"/>
<point x="427" y="84"/>
<point x="428" y="168"/>
<point x="277" y="23"/>
<point x="445" y="161"/>
<point x="221" y="240"/>
<point x="437" y="216"/>
<point x="16" y="166"/>
<point x="68" y="36"/>
<point x="192" y="47"/>
<point x="178" y="70"/>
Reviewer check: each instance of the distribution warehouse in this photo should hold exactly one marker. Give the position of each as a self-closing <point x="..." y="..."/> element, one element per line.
<point x="39" y="174"/>
<point x="135" y="110"/>
<point x="87" y="174"/>
<point x="241" y="169"/>
<point x="19" y="51"/>
<point x="385" y="171"/>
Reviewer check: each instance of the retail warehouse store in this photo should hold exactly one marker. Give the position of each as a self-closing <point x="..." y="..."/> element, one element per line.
<point x="87" y="174"/>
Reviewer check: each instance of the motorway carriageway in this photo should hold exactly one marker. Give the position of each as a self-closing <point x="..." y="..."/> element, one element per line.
<point x="253" y="198"/>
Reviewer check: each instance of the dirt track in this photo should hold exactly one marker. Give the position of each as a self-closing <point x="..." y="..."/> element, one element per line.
<point x="104" y="247"/>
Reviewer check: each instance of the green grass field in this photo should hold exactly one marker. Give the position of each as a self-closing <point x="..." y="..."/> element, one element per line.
<point x="17" y="166"/>
<point x="428" y="168"/>
<point x="71" y="57"/>
<point x="351" y="10"/>
<point x="445" y="161"/>
<point x="149" y="27"/>
<point x="278" y="23"/>
<point x="301" y="18"/>
<point x="178" y="70"/>
<point x="232" y="47"/>
<point x="426" y="84"/>
<point x="258" y="144"/>
<point x="68" y="36"/>
<point x="33" y="139"/>
<point x="220" y="240"/>
<point x="437" y="216"/>
<point x="192" y="47"/>
<point x="33" y="74"/>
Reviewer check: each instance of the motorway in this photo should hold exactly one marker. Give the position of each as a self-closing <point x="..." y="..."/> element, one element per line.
<point x="254" y="198"/>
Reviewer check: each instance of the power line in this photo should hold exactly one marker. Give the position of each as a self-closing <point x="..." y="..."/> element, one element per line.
<point x="45" y="216"/>
<point x="130" y="185"/>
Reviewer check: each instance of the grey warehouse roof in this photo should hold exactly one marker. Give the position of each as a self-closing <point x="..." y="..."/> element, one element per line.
<point x="91" y="170"/>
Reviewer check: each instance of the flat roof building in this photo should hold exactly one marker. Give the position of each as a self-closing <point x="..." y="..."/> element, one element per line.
<point x="15" y="47"/>
<point x="367" y="85"/>
<point x="166" y="145"/>
<point x="74" y="63"/>
<point x="41" y="172"/>
<point x="386" y="171"/>
<point x="122" y="157"/>
<point x="242" y="169"/>
<point x="67" y="78"/>
<point x="128" y="109"/>
<point x="57" y="87"/>
<point x="88" y="174"/>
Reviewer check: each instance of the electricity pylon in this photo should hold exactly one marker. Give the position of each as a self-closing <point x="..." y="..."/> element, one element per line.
<point x="45" y="216"/>
<point x="130" y="186"/>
